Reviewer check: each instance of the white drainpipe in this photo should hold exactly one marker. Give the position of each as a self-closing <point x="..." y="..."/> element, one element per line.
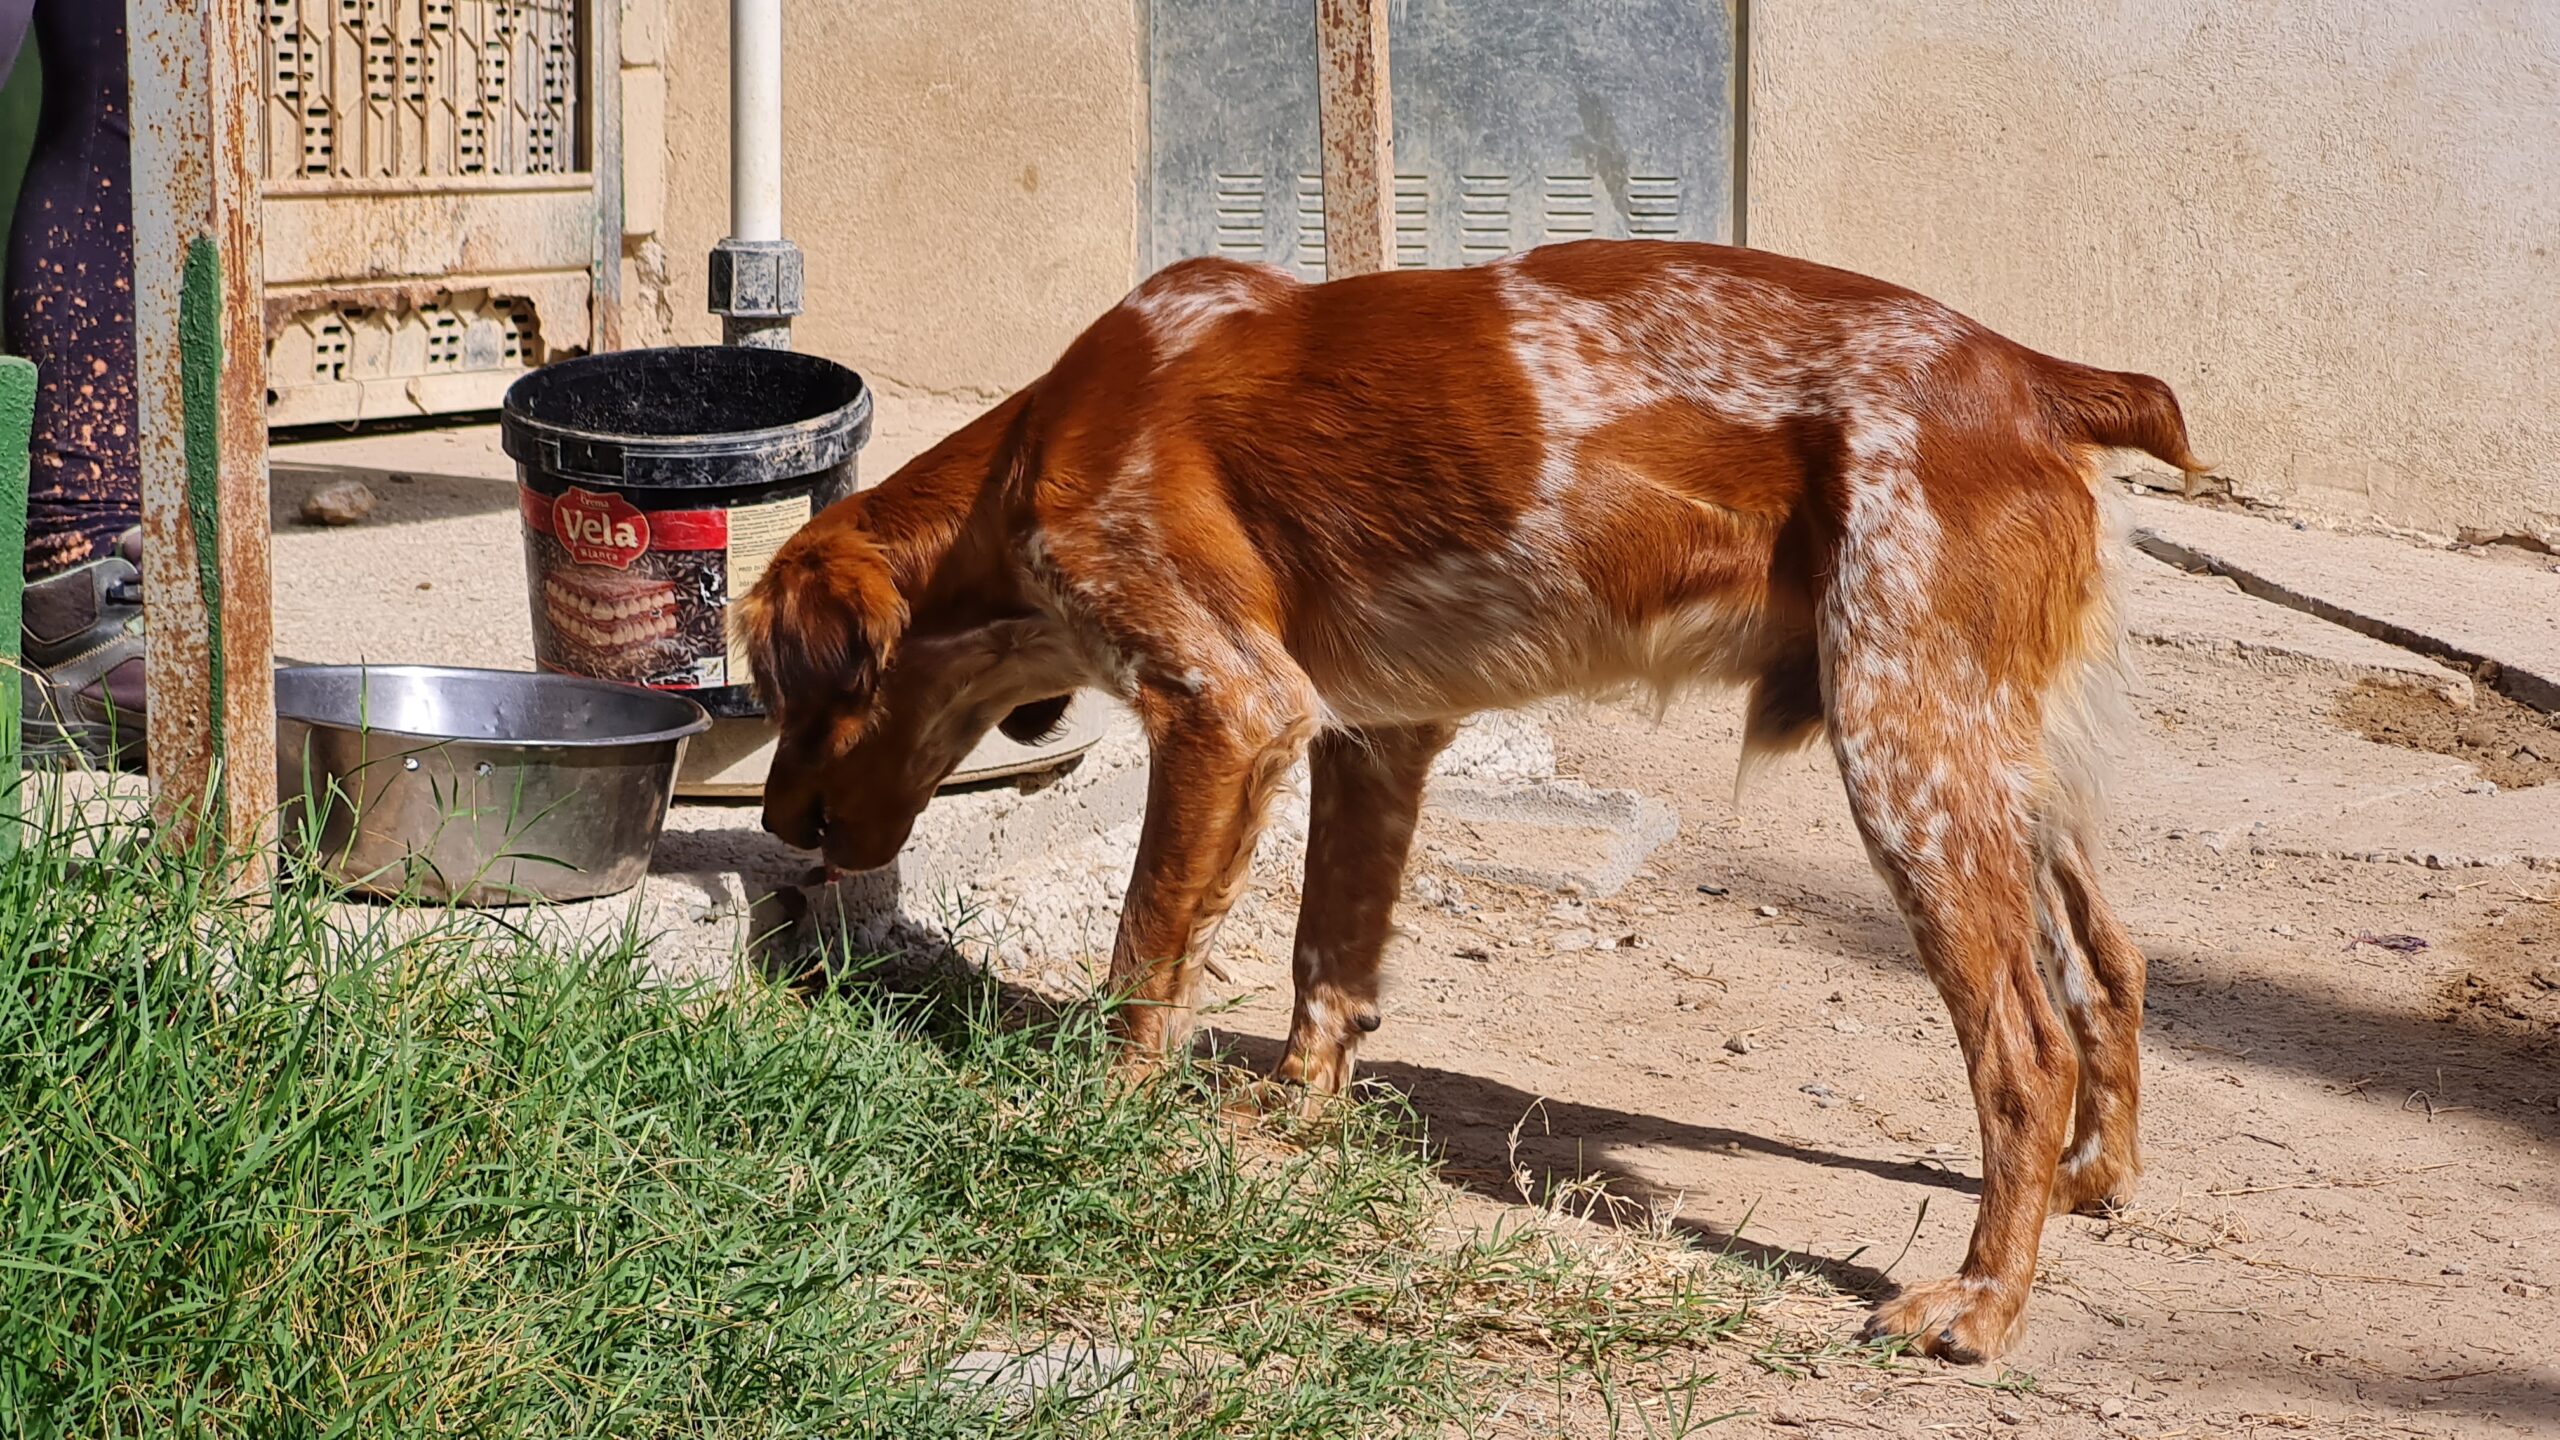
<point x="755" y="273"/>
<point x="755" y="120"/>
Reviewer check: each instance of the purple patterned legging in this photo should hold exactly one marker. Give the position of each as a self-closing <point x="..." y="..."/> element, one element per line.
<point x="70" y="285"/>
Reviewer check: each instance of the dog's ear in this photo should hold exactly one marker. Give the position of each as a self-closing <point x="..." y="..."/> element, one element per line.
<point x="821" y="624"/>
<point x="1037" y="722"/>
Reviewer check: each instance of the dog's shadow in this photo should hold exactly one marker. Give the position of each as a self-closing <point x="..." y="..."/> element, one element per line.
<point x="1514" y="1147"/>
<point x="854" y="936"/>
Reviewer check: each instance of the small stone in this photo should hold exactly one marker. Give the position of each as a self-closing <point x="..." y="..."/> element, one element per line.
<point x="1014" y="1384"/>
<point x="1767" y="912"/>
<point x="2008" y="1415"/>
<point x="2437" y="861"/>
<point x="340" y="502"/>
<point x="2525" y="1290"/>
<point x="2456" y="1268"/>
<point x="2111" y="1408"/>
<point x="1817" y="1090"/>
<point x="1713" y="890"/>
<point x="1575" y="940"/>
<point x="1849" y="1025"/>
<point x="1739" y="1044"/>
<point x="1474" y="952"/>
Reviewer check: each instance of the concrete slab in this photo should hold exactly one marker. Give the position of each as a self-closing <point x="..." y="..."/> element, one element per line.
<point x="2210" y="614"/>
<point x="1032" y="882"/>
<point x="1556" y="835"/>
<point x="2440" y="603"/>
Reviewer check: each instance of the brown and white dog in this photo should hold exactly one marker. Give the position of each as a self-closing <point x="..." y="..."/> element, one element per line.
<point x="1281" y="520"/>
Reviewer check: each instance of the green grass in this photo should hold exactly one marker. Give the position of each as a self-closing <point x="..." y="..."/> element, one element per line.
<point x="284" y="1168"/>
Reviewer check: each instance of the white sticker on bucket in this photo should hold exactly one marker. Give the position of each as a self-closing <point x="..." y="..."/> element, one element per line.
<point x="755" y="533"/>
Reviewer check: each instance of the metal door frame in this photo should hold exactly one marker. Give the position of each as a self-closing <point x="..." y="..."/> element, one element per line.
<point x="1144" y="247"/>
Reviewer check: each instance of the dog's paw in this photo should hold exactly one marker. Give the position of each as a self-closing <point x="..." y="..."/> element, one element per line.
<point x="1960" y="1319"/>
<point x="2101" y="1185"/>
<point x="1323" y="1067"/>
<point x="1135" y="1067"/>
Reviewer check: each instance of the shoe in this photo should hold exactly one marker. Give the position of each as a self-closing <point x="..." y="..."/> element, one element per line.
<point x="80" y="675"/>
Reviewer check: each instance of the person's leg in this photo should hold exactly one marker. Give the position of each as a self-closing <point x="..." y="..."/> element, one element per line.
<point x="71" y="292"/>
<point x="70" y="310"/>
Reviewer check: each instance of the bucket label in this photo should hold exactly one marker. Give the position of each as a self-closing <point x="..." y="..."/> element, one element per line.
<point x="642" y="596"/>
<point x="755" y="533"/>
<point x="600" y="529"/>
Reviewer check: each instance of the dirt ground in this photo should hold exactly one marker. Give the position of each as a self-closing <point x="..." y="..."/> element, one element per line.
<point x="2350" y="1221"/>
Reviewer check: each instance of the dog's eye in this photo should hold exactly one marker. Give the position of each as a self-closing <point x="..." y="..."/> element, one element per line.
<point x="1037" y="723"/>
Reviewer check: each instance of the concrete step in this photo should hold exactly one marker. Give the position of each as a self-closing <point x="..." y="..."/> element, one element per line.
<point x="2210" y="614"/>
<point x="2468" y="609"/>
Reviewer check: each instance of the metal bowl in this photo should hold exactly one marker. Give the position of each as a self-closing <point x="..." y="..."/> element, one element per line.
<point x="481" y="787"/>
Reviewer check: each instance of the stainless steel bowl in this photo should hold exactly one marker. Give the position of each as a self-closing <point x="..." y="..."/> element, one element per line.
<point x="484" y="787"/>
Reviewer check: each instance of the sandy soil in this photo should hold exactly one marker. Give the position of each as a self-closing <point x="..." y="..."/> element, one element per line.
<point x="2350" y="1223"/>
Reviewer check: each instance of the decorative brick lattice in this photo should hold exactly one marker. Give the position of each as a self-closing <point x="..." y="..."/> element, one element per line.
<point x="421" y="89"/>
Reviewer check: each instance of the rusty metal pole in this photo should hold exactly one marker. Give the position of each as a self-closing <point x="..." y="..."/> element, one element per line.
<point x="1356" y="114"/>
<point x="199" y="318"/>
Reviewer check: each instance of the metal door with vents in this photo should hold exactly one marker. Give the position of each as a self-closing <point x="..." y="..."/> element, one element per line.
<point x="435" y="225"/>
<point x="1518" y="122"/>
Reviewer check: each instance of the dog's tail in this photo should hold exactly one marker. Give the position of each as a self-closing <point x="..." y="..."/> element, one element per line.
<point x="2118" y="409"/>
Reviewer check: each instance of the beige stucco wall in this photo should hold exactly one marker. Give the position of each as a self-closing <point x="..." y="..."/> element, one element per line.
<point x="963" y="179"/>
<point x="2334" y="225"/>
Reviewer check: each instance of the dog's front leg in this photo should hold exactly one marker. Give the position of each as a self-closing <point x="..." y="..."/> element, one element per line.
<point x="1366" y="798"/>
<point x="1215" y="759"/>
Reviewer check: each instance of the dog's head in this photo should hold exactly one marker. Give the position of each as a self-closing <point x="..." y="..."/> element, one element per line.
<point x="876" y="706"/>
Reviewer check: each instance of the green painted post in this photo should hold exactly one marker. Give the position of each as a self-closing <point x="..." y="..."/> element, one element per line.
<point x="17" y="427"/>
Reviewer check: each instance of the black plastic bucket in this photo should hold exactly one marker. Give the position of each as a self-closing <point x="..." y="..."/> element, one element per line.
<point x="655" y="485"/>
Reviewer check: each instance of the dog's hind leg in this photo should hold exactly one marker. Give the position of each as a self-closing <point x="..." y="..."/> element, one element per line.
<point x="2097" y="972"/>
<point x="1366" y="798"/>
<point x="1935" y="768"/>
